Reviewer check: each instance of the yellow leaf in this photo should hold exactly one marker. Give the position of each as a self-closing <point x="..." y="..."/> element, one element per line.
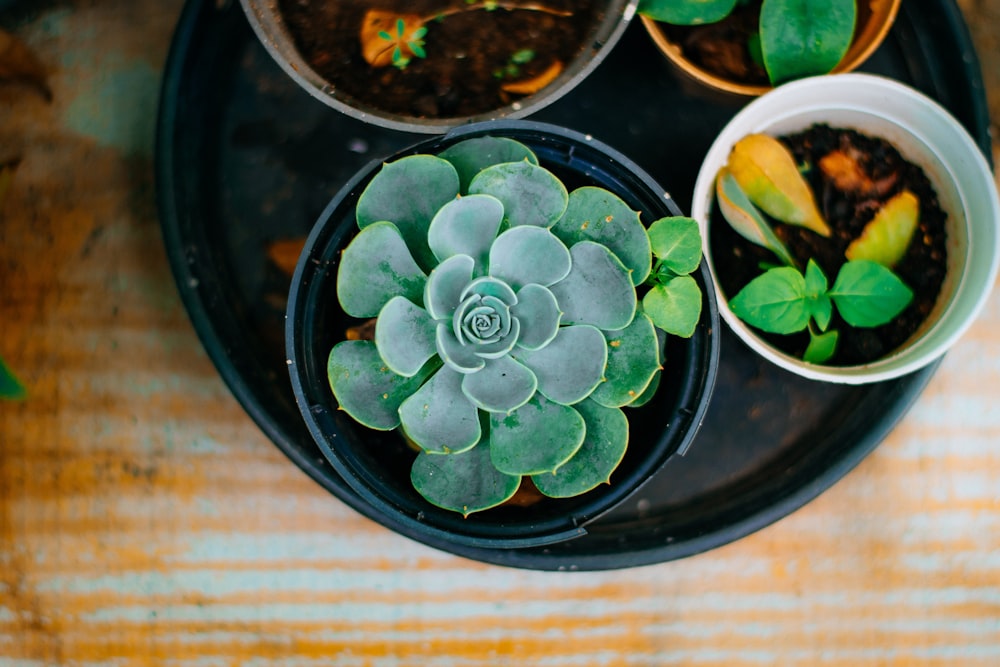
<point x="766" y="172"/>
<point x="887" y="236"/>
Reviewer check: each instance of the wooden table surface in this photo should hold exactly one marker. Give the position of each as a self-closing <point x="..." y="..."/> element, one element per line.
<point x="145" y="520"/>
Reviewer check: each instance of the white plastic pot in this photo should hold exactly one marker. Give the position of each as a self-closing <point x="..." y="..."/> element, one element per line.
<point x="925" y="134"/>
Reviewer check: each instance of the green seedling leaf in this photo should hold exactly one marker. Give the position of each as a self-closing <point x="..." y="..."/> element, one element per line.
<point x="595" y="214"/>
<point x="471" y="156"/>
<point x="676" y="242"/>
<point x="10" y="386"/>
<point x="868" y="294"/>
<point x="466" y="482"/>
<point x="820" y="306"/>
<point x="821" y="347"/>
<point x="531" y="195"/>
<point x="888" y="235"/>
<point x="536" y="438"/>
<point x="598" y="289"/>
<point x="407" y="193"/>
<point x="374" y="267"/>
<point x="744" y="217"/>
<point x="766" y="171"/>
<point x="775" y="301"/>
<point x="633" y="361"/>
<point x="686" y="12"/>
<point x="674" y="305"/>
<point x="602" y="450"/>
<point x="439" y="417"/>
<point x="804" y="37"/>
<point x="367" y="390"/>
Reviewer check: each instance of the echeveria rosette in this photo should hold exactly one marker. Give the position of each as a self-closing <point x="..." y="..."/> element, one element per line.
<point x="508" y="334"/>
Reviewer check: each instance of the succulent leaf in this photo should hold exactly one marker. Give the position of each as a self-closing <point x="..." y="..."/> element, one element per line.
<point x="633" y="360"/>
<point x="745" y="219"/>
<point x="374" y="267"/>
<point x="602" y="450"/>
<point x="503" y="385"/>
<point x="466" y="482"/>
<point x="531" y="195"/>
<point x="405" y="336"/>
<point x="539" y="315"/>
<point x="571" y="366"/>
<point x="687" y="12"/>
<point x="439" y="417"/>
<point x="445" y="284"/>
<point x="767" y="173"/>
<point x="536" y="438"/>
<point x="466" y="226"/>
<point x="596" y="214"/>
<point x="598" y="289"/>
<point x="367" y="390"/>
<point x="408" y="192"/>
<point x="888" y="235"/>
<point x="471" y="156"/>
<point x="524" y="255"/>
<point x="458" y="357"/>
<point x="676" y="242"/>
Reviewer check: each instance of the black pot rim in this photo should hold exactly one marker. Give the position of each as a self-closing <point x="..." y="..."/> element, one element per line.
<point x="690" y="406"/>
<point x="265" y="19"/>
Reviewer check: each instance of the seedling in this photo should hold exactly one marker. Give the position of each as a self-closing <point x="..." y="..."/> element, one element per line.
<point x="795" y="38"/>
<point x="406" y="41"/>
<point x="513" y="67"/>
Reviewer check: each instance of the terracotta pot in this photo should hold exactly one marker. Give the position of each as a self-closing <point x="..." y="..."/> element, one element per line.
<point x="875" y="18"/>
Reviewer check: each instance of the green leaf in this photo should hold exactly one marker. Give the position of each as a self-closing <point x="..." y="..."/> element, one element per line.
<point x="598" y="289"/>
<point x="538" y="313"/>
<point x="745" y="219"/>
<point x="774" y="301"/>
<point x="820" y="306"/>
<point x="868" y="294"/>
<point x="531" y="195"/>
<point x="439" y="417"/>
<point x="367" y="390"/>
<point x="595" y="214"/>
<point x="404" y="336"/>
<point x="674" y="305"/>
<point x="458" y="357"/>
<point x="602" y="450"/>
<point x="571" y="366"/>
<point x="471" y="156"/>
<point x="524" y="255"/>
<point x="686" y="12"/>
<point x="10" y="386"/>
<point x="821" y="347"/>
<point x="803" y="37"/>
<point x="676" y="241"/>
<point x="633" y="361"/>
<point x="466" y="226"/>
<point x="443" y="291"/>
<point x="503" y="385"/>
<point x="538" y="437"/>
<point x="407" y="193"/>
<point x="466" y="482"/>
<point x="374" y="267"/>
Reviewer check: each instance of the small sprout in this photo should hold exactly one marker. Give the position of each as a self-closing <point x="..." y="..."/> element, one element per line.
<point x="674" y="301"/>
<point x="388" y="38"/>
<point x="767" y="173"/>
<point x="888" y="235"/>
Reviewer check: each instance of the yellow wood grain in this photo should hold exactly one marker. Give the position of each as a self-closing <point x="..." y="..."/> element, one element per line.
<point x="145" y="520"/>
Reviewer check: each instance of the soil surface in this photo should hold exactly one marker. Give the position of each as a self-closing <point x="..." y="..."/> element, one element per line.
<point x="468" y="53"/>
<point x="922" y="268"/>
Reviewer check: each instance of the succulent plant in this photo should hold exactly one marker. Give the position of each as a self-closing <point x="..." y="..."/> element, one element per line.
<point x="508" y="331"/>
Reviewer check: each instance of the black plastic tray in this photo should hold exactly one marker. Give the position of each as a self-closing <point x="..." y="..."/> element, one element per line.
<point x="245" y="157"/>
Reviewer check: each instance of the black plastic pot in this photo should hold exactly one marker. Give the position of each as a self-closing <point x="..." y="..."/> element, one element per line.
<point x="376" y="464"/>
<point x="267" y="23"/>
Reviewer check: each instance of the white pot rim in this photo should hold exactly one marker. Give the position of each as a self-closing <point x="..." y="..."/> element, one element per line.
<point x="918" y="126"/>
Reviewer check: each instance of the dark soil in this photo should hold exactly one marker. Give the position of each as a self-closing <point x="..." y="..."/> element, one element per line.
<point x="923" y="267"/>
<point x="721" y="48"/>
<point x="465" y="51"/>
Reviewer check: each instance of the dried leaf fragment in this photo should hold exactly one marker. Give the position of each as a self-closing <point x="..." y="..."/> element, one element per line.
<point x="284" y="253"/>
<point x="535" y="83"/>
<point x="19" y="64"/>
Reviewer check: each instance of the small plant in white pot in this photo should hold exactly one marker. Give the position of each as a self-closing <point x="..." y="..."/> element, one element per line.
<point x="882" y="183"/>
